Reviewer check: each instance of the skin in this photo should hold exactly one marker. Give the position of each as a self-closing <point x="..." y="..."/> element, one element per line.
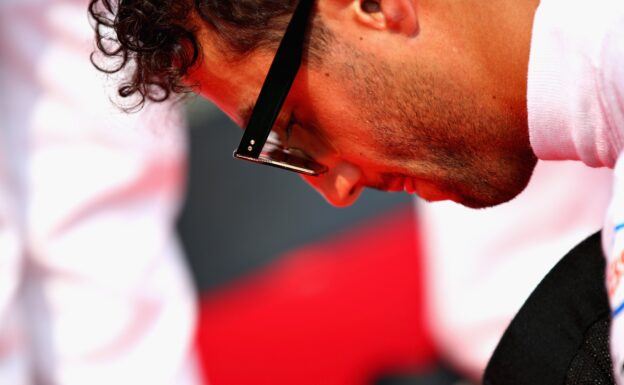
<point x="426" y="96"/>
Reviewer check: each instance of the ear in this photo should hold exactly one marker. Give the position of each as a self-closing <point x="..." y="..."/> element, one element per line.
<point x="399" y="16"/>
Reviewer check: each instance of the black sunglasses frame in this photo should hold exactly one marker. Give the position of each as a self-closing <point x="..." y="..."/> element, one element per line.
<point x="277" y="83"/>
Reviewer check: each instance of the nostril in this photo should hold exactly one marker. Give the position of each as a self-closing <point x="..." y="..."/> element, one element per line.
<point x="369" y="6"/>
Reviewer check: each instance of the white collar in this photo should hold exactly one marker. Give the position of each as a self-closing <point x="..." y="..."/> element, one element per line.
<point x="575" y="93"/>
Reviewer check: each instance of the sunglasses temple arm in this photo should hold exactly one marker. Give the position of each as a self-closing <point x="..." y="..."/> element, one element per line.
<point x="279" y="79"/>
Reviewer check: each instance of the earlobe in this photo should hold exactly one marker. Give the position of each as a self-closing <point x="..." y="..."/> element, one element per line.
<point x="399" y="16"/>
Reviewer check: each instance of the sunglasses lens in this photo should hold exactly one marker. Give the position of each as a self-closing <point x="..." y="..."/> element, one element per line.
<point x="292" y="159"/>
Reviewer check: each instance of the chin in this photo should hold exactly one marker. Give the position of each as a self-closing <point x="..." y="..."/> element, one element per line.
<point x="479" y="204"/>
<point x="496" y="191"/>
<point x="472" y="198"/>
<point x="462" y="200"/>
<point x="498" y="197"/>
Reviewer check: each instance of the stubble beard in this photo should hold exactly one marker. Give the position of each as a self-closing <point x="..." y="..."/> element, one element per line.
<point x="440" y="133"/>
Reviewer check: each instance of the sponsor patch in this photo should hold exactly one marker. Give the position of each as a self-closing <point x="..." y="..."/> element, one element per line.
<point x="615" y="272"/>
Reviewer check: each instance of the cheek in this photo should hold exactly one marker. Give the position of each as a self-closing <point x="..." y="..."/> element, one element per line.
<point x="340" y="120"/>
<point x="342" y="127"/>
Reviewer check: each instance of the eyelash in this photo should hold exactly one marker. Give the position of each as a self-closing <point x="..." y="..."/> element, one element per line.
<point x="289" y="127"/>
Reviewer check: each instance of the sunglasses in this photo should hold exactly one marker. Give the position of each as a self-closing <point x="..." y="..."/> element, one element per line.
<point x="259" y="144"/>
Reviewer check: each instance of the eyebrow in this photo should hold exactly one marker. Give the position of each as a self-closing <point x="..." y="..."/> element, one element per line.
<point x="245" y="114"/>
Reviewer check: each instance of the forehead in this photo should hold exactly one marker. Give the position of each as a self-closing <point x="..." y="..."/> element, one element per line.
<point x="232" y="84"/>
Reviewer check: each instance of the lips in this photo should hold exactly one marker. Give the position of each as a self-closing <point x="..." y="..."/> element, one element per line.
<point x="430" y="191"/>
<point x="423" y="188"/>
<point x="396" y="185"/>
<point x="409" y="186"/>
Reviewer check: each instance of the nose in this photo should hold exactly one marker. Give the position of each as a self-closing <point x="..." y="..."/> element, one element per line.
<point x="340" y="185"/>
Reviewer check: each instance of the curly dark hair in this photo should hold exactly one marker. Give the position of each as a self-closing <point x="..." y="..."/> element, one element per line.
<point x="156" y="42"/>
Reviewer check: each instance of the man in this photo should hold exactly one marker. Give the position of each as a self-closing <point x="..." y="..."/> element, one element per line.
<point x="424" y="96"/>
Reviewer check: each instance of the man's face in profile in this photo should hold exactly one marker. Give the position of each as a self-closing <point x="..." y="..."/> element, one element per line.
<point x="396" y="101"/>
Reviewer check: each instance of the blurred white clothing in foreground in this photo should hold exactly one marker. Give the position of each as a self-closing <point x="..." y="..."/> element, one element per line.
<point x="93" y="287"/>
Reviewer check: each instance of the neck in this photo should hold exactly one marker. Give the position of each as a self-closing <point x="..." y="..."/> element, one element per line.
<point x="497" y="37"/>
